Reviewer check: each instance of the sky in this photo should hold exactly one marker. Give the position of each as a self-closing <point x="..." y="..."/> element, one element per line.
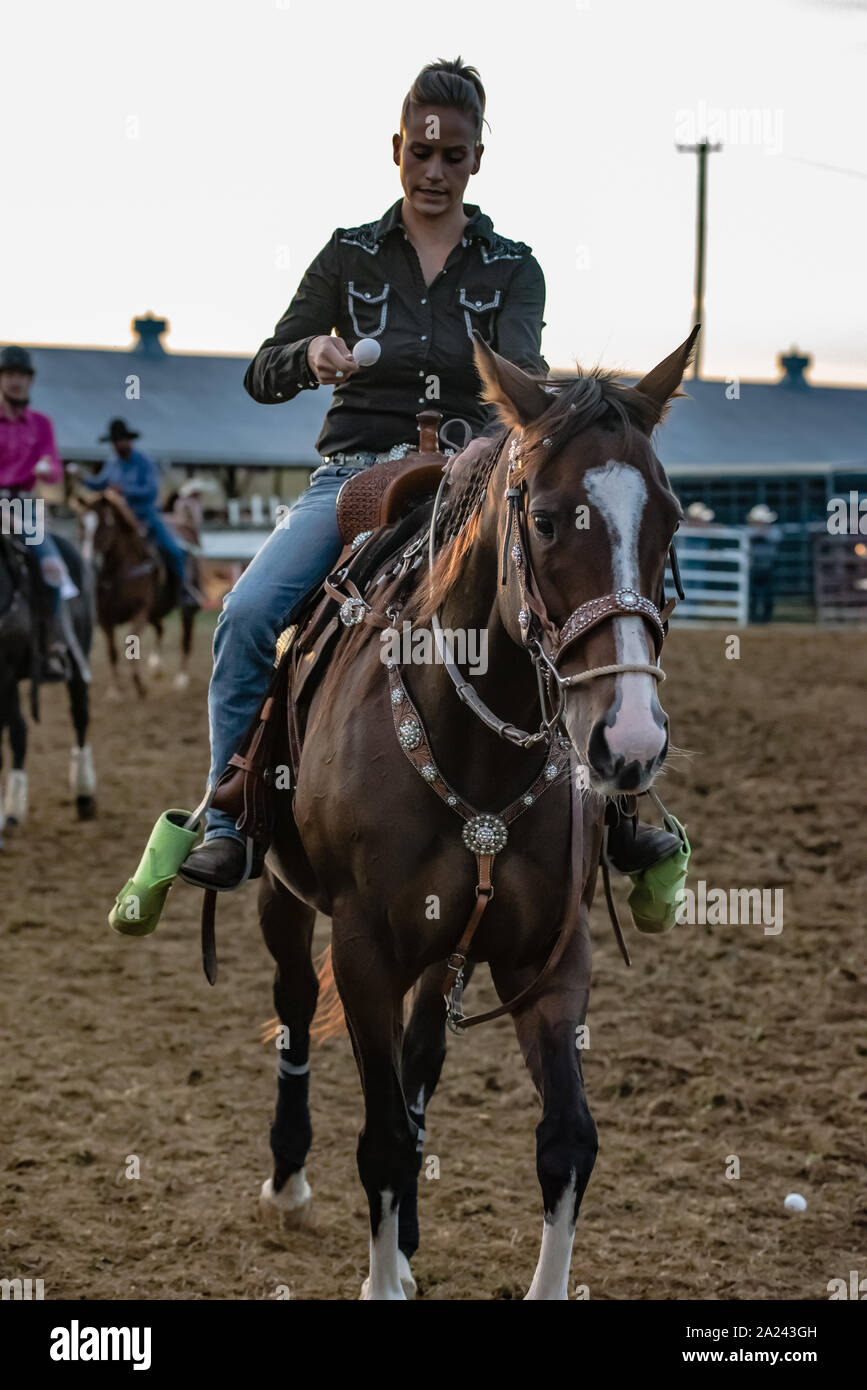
<point x="191" y="157"/>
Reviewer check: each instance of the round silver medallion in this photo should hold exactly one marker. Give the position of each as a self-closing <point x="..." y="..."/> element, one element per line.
<point x="485" y="834"/>
<point x="528" y="800"/>
<point x="516" y="553"/>
<point x="429" y="772"/>
<point x="409" y="733"/>
<point x="551" y="771"/>
<point x="523" y="617"/>
<point x="351" y="611"/>
<point x="628" y="598"/>
<point x="452" y="800"/>
<point x="396" y="697"/>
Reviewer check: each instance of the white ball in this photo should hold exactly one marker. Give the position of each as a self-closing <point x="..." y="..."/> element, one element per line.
<point x="795" y="1202"/>
<point x="366" y="352"/>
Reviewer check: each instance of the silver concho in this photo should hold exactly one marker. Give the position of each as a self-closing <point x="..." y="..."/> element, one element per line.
<point x="485" y="834"/>
<point x="409" y="733"/>
<point x="352" y="611"/>
<point x="524" y="617"/>
<point x="360" y="539"/>
<point x="396" y="697"/>
<point x="528" y="799"/>
<point x="627" y="597"/>
<point x="429" y="772"/>
<point x="551" y="771"/>
<point x="515" y="553"/>
<point x="452" y="800"/>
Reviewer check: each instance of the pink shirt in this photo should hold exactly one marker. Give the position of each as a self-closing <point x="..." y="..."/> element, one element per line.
<point x="23" y="442"/>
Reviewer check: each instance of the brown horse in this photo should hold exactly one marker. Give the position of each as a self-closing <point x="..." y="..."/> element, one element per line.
<point x="560" y="563"/>
<point x="133" y="584"/>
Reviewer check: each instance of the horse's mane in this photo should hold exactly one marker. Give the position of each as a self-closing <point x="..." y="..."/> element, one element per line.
<point x="122" y="510"/>
<point x="596" y="397"/>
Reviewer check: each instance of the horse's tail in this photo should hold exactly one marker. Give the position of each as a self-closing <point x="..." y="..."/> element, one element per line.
<point x="329" y="1020"/>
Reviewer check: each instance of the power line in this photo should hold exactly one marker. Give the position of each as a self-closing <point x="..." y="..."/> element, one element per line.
<point x="831" y="168"/>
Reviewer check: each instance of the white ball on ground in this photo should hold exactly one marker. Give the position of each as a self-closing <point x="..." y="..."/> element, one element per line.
<point x="366" y="352"/>
<point x="795" y="1202"/>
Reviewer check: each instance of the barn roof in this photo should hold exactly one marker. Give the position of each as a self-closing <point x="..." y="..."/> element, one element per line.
<point x="770" y="423"/>
<point x="193" y="409"/>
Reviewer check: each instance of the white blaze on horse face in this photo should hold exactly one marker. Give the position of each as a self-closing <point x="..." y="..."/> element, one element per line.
<point x="619" y="493"/>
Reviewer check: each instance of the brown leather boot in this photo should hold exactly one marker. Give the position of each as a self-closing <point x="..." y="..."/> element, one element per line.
<point x="220" y="864"/>
<point x="633" y="847"/>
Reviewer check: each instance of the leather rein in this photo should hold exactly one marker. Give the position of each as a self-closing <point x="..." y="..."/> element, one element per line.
<point x="544" y="642"/>
<point x="486" y="834"/>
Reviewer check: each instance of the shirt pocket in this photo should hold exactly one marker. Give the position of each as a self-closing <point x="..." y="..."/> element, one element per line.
<point x="479" y="309"/>
<point x="368" y="309"/>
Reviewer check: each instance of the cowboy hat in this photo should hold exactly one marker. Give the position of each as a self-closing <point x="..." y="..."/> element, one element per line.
<point x="761" y="514"/>
<point x="697" y="511"/>
<point x="16" y="359"/>
<point x="117" y="429"/>
<point x="196" y="485"/>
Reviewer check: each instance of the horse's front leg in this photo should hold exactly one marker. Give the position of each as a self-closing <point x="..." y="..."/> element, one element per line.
<point x="287" y="925"/>
<point x="372" y="995"/>
<point x="548" y="1032"/>
<point x="424" y="1050"/>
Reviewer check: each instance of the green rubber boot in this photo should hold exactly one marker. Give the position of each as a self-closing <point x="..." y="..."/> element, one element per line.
<point x="139" y="903"/>
<point x="654" y="899"/>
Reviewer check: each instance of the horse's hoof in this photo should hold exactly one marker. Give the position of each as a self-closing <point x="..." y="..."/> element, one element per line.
<point x="181" y="681"/>
<point x="86" y="807"/>
<point x="291" y="1208"/>
<point x="407" y="1282"/>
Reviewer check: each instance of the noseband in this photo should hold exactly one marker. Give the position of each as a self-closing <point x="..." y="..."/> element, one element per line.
<point x="543" y="640"/>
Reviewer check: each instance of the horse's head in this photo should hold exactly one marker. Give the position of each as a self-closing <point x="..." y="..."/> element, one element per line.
<point x="584" y="537"/>
<point x="105" y="517"/>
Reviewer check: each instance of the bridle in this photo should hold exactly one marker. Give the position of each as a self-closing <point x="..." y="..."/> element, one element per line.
<point x="544" y="642"/>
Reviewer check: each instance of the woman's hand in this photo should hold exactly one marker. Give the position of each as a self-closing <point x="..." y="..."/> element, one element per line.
<point x="329" y="359"/>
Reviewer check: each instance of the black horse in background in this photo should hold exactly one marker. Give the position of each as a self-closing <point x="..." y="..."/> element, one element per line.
<point x="20" y="660"/>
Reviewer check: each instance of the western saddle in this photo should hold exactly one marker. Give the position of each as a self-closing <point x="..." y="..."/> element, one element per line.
<point x="378" y="510"/>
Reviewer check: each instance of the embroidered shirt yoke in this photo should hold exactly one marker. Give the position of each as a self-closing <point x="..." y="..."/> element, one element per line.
<point x="367" y="283"/>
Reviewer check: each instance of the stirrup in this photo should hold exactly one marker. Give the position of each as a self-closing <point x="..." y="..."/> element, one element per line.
<point x="139" y="903"/>
<point x="656" y="896"/>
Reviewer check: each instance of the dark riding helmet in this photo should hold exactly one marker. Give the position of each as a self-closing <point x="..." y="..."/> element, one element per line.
<point x="16" y="359"/>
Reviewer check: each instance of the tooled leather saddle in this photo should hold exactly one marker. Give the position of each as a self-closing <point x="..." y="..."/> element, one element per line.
<point x="378" y="510"/>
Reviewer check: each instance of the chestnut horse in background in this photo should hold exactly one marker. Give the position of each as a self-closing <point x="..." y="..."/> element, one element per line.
<point x="372" y="846"/>
<point x="134" y="585"/>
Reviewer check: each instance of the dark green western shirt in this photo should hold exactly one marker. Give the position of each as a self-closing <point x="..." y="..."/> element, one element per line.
<point x="367" y="283"/>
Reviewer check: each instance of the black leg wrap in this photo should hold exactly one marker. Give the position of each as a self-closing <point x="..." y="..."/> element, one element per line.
<point x="291" y="1132"/>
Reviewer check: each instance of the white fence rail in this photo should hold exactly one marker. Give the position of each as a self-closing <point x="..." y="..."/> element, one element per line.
<point x="715" y="569"/>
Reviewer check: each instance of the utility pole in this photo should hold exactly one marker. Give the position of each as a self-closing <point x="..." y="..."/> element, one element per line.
<point x="702" y="149"/>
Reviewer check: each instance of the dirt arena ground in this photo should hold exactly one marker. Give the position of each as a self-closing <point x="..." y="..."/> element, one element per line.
<point x="716" y="1043"/>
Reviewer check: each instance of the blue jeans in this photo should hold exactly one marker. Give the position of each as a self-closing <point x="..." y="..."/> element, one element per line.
<point x="52" y="569"/>
<point x="166" y="538"/>
<point x="301" y="549"/>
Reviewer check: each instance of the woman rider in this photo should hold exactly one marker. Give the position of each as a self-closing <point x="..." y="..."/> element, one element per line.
<point x="420" y="281"/>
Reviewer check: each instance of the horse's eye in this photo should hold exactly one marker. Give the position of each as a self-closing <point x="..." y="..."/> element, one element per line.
<point x="543" y="524"/>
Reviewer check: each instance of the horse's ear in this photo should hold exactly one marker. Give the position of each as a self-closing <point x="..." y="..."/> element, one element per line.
<point x="518" y="398"/>
<point x="660" y="385"/>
